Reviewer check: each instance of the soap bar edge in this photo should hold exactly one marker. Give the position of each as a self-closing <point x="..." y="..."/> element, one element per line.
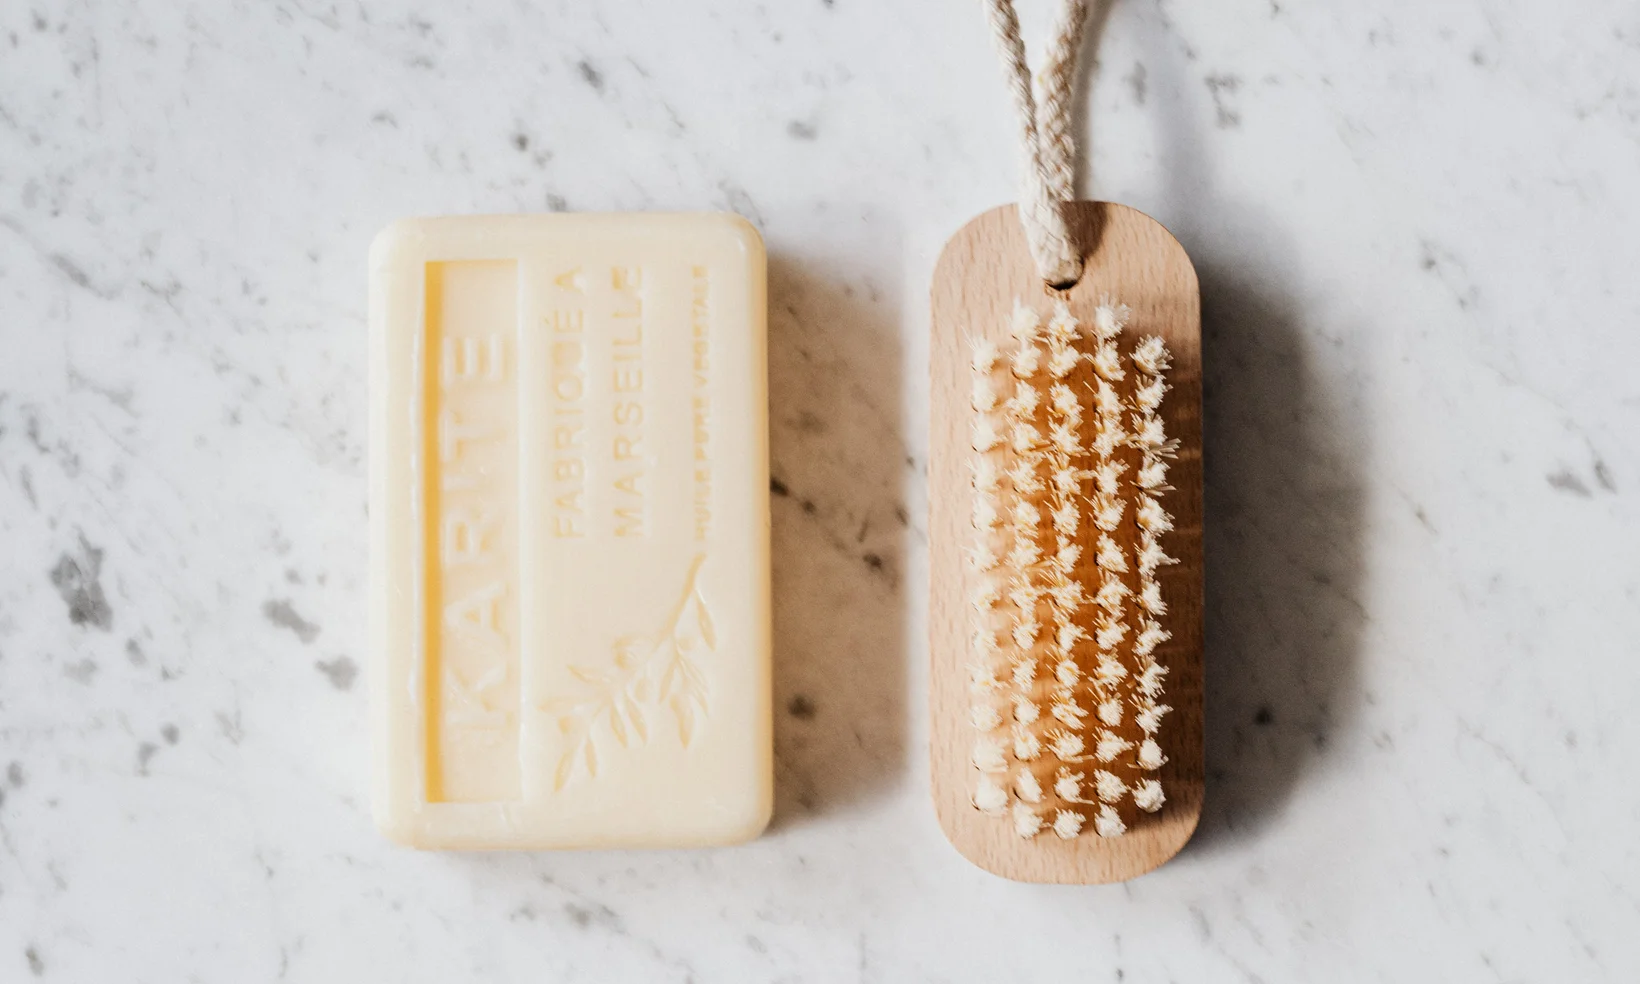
<point x="404" y="823"/>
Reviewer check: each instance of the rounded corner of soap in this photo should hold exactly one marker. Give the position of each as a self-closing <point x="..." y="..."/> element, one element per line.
<point x="739" y="228"/>
<point x="394" y="237"/>
<point x="751" y="824"/>
<point x="396" y="828"/>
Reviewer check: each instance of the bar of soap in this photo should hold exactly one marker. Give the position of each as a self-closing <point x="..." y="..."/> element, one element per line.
<point x="570" y="622"/>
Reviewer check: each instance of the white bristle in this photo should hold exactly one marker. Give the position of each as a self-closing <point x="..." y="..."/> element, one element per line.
<point x="1024" y="517"/>
<point x="984" y="687"/>
<point x="1067" y="673"/>
<point x="1024" y="402"/>
<point x="987" y="480"/>
<point x="1111" y="593"/>
<point x="1024" y="480"/>
<point x="1151" y="356"/>
<point x="1067" y="823"/>
<point x="1027" y="746"/>
<point x="1025" y="710"/>
<point x="1150" y="681"/>
<point x="1149" y="395"/>
<point x="1067" y="554"/>
<point x="1028" y="788"/>
<point x="1110" y="747"/>
<point x="1107" y="363"/>
<point x="1024" y="673"/>
<point x="986" y="436"/>
<point x="1108" y="477"/>
<point x="1149" y="717"/>
<point x="1109" y="635"/>
<point x="985" y="717"/>
<point x="990" y="797"/>
<point x="1151" y="635"/>
<point x="1023" y="437"/>
<point x="1062" y="438"/>
<point x="1151" y="556"/>
<point x="1070" y="595"/>
<point x="1152" y="518"/>
<point x="1065" y="481"/>
<point x="984" y="396"/>
<point x="1108" y="787"/>
<point x="1107" y="512"/>
<point x="1025" y="361"/>
<point x="1024" y="555"/>
<point x="1068" y="786"/>
<point x="1147" y="795"/>
<point x="1108" y="320"/>
<point x="1108" y="823"/>
<point x="982" y="679"/>
<point x="985" y="355"/>
<point x="1027" y="823"/>
<point x="1108" y="440"/>
<point x="1110" y="556"/>
<point x="1152" y="474"/>
<point x="1068" y="713"/>
<point x="981" y="557"/>
<point x="1106" y="400"/>
<point x="1025" y="325"/>
<point x="1150" y="599"/>
<point x="1067" y="746"/>
<point x="989" y="756"/>
<point x="1062" y="326"/>
<point x="985" y="512"/>
<point x="1148" y="433"/>
<point x="1063" y="400"/>
<point x="1110" y="713"/>
<point x="1024" y="595"/>
<point x="1150" y="754"/>
<point x="1061" y="362"/>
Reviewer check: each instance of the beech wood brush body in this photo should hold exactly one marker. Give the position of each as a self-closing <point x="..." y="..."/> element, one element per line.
<point x="1065" y="515"/>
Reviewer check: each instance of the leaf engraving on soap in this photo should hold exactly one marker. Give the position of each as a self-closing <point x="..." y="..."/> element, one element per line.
<point x="648" y="674"/>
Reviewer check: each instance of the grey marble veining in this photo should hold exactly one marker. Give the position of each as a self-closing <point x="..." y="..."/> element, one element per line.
<point x="1416" y="226"/>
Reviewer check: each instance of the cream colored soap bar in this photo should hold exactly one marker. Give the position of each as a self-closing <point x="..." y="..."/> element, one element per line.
<point x="569" y="531"/>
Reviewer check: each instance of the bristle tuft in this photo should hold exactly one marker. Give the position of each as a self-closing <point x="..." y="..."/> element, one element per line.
<point x="990" y="797"/>
<point x="1151" y="356"/>
<point x="1108" y="786"/>
<point x="989" y="756"/>
<point x="1027" y="822"/>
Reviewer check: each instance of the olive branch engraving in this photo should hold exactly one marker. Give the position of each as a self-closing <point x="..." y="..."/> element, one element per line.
<point x="649" y="675"/>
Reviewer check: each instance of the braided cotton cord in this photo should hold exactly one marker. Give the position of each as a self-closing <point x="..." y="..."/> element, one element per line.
<point x="1050" y="152"/>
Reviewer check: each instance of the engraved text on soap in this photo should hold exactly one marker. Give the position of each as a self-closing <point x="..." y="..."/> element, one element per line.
<point x="471" y="531"/>
<point x="626" y="360"/>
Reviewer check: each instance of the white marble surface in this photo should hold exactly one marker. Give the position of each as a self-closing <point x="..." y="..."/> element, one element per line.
<point x="1417" y="227"/>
